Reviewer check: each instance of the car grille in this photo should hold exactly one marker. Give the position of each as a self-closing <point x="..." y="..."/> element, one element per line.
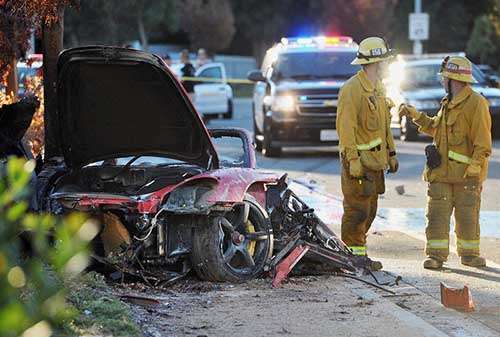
<point x="319" y="103"/>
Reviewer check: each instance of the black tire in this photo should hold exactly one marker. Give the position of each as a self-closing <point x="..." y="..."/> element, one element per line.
<point x="257" y="142"/>
<point x="268" y="148"/>
<point x="409" y="132"/>
<point x="230" y="109"/>
<point x="216" y="256"/>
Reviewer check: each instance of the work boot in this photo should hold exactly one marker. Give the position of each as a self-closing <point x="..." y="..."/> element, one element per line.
<point x="432" y="263"/>
<point x="473" y="261"/>
<point x="374" y="265"/>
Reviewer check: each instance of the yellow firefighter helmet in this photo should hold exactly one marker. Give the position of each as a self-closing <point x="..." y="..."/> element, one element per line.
<point x="371" y="50"/>
<point x="457" y="68"/>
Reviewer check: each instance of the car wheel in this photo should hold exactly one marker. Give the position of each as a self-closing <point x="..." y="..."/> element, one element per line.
<point x="230" y="108"/>
<point x="235" y="246"/>
<point x="409" y="131"/>
<point x="268" y="149"/>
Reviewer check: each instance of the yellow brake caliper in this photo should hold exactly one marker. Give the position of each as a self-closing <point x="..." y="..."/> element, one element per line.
<point x="251" y="245"/>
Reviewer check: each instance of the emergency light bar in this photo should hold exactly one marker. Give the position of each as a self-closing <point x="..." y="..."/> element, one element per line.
<point x="317" y="41"/>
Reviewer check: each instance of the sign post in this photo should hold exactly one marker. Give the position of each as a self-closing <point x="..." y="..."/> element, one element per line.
<point x="418" y="28"/>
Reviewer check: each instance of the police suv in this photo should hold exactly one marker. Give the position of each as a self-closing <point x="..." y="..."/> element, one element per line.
<point x="296" y="92"/>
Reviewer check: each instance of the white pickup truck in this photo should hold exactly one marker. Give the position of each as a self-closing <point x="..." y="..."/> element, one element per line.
<point x="211" y="99"/>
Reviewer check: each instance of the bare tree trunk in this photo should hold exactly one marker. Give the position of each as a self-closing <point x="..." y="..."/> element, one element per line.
<point x="12" y="80"/>
<point x="140" y="26"/>
<point x="52" y="40"/>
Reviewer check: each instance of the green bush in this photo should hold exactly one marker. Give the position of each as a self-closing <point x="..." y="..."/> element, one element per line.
<point x="32" y="296"/>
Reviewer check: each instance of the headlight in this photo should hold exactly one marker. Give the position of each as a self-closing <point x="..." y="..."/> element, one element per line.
<point x="188" y="197"/>
<point x="494" y="101"/>
<point x="424" y="104"/>
<point x="285" y="103"/>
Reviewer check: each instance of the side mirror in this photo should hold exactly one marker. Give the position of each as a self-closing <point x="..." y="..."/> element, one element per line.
<point x="493" y="82"/>
<point x="234" y="147"/>
<point x="256" y="76"/>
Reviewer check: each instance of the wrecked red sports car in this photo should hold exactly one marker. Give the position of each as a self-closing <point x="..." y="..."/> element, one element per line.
<point x="127" y="146"/>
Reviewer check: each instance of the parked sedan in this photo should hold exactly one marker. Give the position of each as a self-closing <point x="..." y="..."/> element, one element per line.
<point x="129" y="148"/>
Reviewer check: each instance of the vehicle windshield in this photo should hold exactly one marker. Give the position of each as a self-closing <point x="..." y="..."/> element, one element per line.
<point x="313" y="65"/>
<point x="426" y="76"/>
<point x="140" y="161"/>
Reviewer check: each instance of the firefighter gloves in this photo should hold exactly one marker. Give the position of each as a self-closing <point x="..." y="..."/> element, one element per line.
<point x="393" y="164"/>
<point x="408" y="110"/>
<point x="355" y="168"/>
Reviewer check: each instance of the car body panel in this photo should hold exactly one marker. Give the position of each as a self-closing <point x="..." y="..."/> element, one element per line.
<point x="227" y="186"/>
<point x="115" y="102"/>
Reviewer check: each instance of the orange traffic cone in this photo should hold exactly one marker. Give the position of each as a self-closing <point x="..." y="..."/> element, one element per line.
<point x="456" y="298"/>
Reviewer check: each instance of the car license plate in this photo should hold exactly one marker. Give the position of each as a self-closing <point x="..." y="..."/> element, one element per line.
<point x="328" y="135"/>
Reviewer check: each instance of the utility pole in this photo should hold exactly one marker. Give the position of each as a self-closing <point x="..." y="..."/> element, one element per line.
<point x="418" y="27"/>
<point x="417" y="44"/>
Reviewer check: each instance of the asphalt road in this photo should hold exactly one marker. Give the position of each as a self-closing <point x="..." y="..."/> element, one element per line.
<point x="321" y="165"/>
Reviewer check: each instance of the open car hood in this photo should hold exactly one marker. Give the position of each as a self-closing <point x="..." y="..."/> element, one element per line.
<point x="115" y="102"/>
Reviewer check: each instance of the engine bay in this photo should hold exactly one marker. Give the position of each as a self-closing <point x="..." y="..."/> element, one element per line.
<point x="127" y="181"/>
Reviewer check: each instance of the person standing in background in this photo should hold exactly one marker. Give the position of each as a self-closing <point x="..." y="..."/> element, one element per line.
<point x="202" y="58"/>
<point x="187" y="70"/>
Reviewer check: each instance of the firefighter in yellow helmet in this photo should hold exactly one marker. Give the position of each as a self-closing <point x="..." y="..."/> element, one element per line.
<point x="457" y="164"/>
<point x="366" y="143"/>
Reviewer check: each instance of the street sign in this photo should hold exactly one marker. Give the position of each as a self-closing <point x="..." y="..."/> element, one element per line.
<point x="418" y="26"/>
